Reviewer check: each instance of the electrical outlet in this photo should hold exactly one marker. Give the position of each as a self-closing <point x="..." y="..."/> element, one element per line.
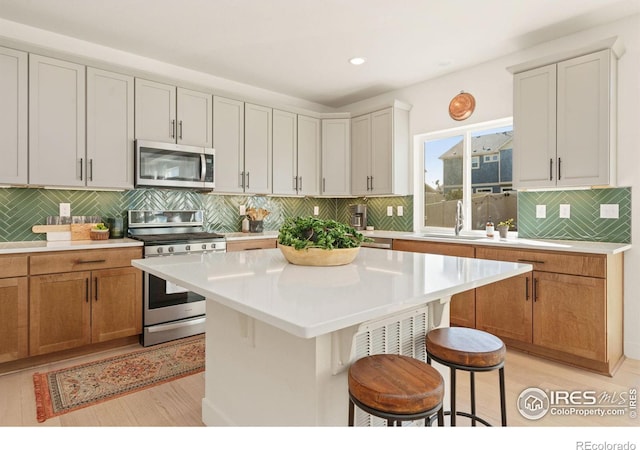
<point x="400" y="211"/>
<point x="541" y="211"/>
<point x="565" y="211"/>
<point x="316" y="210"/>
<point x="389" y="211"/>
<point x="65" y="209"/>
<point x="609" y="211"/>
<point x="243" y="210"/>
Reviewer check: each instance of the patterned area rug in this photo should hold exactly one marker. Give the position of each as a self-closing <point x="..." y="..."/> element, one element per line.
<point x="62" y="391"/>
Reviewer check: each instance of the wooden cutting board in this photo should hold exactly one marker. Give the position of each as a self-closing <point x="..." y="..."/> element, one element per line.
<point x="79" y="231"/>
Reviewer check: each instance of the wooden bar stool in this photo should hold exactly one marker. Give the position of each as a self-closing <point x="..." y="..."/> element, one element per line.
<point x="396" y="388"/>
<point x="473" y="351"/>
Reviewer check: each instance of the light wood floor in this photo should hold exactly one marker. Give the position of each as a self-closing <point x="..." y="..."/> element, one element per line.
<point x="178" y="403"/>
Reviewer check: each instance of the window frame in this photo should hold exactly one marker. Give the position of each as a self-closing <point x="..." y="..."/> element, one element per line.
<point x="419" y="141"/>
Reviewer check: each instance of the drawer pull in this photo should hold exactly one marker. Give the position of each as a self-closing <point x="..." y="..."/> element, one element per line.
<point x="530" y="261"/>
<point x="91" y="261"/>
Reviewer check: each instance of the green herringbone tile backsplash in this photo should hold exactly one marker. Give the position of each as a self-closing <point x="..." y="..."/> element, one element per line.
<point x="584" y="224"/>
<point x="21" y="208"/>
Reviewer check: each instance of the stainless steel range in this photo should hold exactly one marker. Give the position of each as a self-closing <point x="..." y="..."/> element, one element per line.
<point x="171" y="311"/>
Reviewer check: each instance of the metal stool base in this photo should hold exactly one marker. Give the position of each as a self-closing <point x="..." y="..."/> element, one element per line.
<point x="472" y="415"/>
<point x="396" y="419"/>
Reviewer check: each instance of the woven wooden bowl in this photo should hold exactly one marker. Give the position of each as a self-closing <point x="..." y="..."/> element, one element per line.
<point x="98" y="235"/>
<point x="319" y="256"/>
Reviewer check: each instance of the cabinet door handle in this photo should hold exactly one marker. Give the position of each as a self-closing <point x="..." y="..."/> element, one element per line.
<point x="172" y="129"/>
<point x="300" y="184"/>
<point x="526" y="290"/>
<point x="535" y="289"/>
<point x="86" y="290"/>
<point x="91" y="169"/>
<point x="372" y="182"/>
<point x="559" y="168"/>
<point x="247" y="180"/>
<point x="295" y="183"/>
<point x="530" y="261"/>
<point x="96" y="285"/>
<point x="368" y="182"/>
<point x="550" y="169"/>
<point x="90" y="261"/>
<point x="324" y="185"/>
<point x="81" y="166"/>
<point x="242" y="179"/>
<point x="180" y="136"/>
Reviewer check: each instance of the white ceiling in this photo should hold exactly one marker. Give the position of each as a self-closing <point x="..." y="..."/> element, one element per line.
<point x="301" y="47"/>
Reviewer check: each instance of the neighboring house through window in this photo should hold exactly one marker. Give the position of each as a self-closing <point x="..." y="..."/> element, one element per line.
<point x="472" y="164"/>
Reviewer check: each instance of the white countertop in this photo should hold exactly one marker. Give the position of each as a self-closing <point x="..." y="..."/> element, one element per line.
<point x="606" y="248"/>
<point x="311" y="301"/>
<point x="239" y="236"/>
<point x="52" y="246"/>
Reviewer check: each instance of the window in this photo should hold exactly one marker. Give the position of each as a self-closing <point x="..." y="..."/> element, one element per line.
<point x="472" y="164"/>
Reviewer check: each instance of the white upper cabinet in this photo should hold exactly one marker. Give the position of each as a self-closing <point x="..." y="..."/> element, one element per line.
<point x="166" y="113"/>
<point x="564" y="123"/>
<point x="257" y="149"/>
<point x="110" y="122"/>
<point x="336" y="157"/>
<point x="285" y="153"/>
<point x="380" y="153"/>
<point x="13" y="116"/>
<point x="56" y="122"/>
<point x="308" y="155"/>
<point x="194" y="112"/>
<point x="228" y="142"/>
<point x="296" y="154"/>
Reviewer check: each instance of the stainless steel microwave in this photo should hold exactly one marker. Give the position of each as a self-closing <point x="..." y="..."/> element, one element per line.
<point x="161" y="164"/>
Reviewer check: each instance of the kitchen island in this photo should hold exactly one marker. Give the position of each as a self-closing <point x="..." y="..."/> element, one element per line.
<point x="280" y="337"/>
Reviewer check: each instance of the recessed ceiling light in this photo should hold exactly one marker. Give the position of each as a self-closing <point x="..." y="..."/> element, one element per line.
<point x="357" y="60"/>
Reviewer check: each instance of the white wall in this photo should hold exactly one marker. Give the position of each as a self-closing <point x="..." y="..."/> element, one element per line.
<point x="491" y="85"/>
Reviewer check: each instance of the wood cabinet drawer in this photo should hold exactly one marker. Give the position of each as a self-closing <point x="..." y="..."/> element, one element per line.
<point x="250" y="244"/>
<point x="72" y="261"/>
<point x="588" y="265"/>
<point x="437" y="248"/>
<point x="13" y="266"/>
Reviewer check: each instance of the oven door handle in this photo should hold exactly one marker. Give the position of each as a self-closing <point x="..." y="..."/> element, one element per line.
<point x="173" y="326"/>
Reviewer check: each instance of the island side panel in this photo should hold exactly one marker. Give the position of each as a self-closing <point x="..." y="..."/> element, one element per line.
<point x="259" y="375"/>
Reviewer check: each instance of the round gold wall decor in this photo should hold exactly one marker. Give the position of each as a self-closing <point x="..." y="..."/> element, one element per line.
<point x="461" y="106"/>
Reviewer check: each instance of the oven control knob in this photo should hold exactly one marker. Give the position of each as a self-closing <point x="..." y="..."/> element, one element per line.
<point x="187" y="247"/>
<point x="213" y="246"/>
<point x="170" y="249"/>
<point x="204" y="246"/>
<point x="159" y="250"/>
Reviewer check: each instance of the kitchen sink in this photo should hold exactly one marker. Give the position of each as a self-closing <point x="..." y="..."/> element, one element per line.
<point x="460" y="237"/>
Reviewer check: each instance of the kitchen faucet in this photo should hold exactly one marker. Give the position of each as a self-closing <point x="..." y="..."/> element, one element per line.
<point x="458" y="225"/>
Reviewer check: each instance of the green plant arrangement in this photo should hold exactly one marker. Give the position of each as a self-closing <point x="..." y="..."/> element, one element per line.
<point x="506" y="223"/>
<point x="311" y="232"/>
<point x="100" y="227"/>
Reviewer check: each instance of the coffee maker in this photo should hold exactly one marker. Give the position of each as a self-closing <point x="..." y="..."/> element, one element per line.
<point x="358" y="216"/>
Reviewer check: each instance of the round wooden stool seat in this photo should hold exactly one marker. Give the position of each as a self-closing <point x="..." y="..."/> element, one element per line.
<point x="472" y="351"/>
<point x="395" y="384"/>
<point x="465" y="347"/>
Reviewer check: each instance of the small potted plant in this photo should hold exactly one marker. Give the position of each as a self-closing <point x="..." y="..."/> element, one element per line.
<point x="99" y="232"/>
<point x="311" y="241"/>
<point x="503" y="227"/>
